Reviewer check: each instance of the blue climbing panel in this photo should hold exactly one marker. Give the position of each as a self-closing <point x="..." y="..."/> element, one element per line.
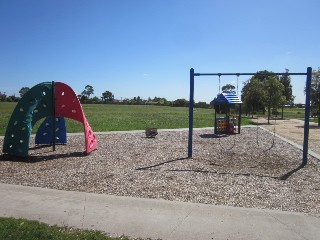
<point x="44" y="133"/>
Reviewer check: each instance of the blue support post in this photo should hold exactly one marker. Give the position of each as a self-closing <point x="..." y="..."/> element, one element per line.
<point x="191" y="100"/>
<point x="306" y="117"/>
<point x="53" y="118"/>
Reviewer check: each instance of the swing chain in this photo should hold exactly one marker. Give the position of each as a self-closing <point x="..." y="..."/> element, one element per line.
<point x="219" y="74"/>
<point x="238" y="74"/>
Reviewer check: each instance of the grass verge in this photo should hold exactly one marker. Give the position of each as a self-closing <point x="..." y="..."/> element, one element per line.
<point x="16" y="229"/>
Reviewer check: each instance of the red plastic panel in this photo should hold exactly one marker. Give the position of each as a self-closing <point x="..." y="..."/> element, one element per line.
<point x="68" y="105"/>
<point x="91" y="141"/>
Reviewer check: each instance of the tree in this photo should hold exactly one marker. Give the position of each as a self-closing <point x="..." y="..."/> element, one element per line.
<point x="107" y="97"/>
<point x="12" y="98"/>
<point x="181" y="102"/>
<point x="228" y="88"/>
<point x="3" y="97"/>
<point x="285" y="79"/>
<point x="94" y="100"/>
<point x="139" y="100"/>
<point x="253" y="95"/>
<point x="263" y="91"/>
<point x="83" y="99"/>
<point x="315" y="94"/>
<point x="23" y="91"/>
<point x="201" y="105"/>
<point x="274" y="94"/>
<point x="160" y="101"/>
<point x="88" y="90"/>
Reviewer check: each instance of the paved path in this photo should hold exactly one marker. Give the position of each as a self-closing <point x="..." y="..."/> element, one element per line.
<point x="293" y="130"/>
<point x="153" y="218"/>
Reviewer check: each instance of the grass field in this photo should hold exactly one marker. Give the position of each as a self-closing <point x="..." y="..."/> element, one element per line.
<point x="105" y="117"/>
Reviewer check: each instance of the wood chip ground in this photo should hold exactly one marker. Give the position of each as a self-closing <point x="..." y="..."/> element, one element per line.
<point x="240" y="170"/>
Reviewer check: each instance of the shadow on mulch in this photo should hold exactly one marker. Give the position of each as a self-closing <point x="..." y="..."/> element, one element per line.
<point x="40" y="158"/>
<point x="288" y="174"/>
<point x="248" y="174"/>
<point x="213" y="135"/>
<point x="163" y="163"/>
<point x="310" y="127"/>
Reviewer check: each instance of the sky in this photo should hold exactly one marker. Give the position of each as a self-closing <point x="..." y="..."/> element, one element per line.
<point x="146" y="47"/>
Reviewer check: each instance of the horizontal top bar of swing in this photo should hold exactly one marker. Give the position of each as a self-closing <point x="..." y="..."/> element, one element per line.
<point x="250" y="74"/>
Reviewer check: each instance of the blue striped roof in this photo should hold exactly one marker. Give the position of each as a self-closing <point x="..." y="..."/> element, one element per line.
<point x="227" y="98"/>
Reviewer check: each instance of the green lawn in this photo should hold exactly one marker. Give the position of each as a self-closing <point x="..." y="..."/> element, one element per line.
<point x="293" y="113"/>
<point x="105" y="117"/>
<point x="22" y="229"/>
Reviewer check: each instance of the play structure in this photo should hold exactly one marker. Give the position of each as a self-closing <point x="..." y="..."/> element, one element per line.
<point x="231" y="123"/>
<point x="224" y="125"/>
<point x="52" y="101"/>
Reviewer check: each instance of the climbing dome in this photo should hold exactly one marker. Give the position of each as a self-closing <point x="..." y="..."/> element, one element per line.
<point x="48" y="99"/>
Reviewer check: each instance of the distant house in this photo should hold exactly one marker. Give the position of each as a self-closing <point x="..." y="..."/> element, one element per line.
<point x="300" y="105"/>
<point x="117" y="101"/>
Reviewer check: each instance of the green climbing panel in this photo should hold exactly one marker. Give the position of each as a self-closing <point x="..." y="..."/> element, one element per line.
<point x="35" y="105"/>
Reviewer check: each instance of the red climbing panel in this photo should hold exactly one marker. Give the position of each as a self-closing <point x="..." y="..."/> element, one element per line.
<point x="68" y="105"/>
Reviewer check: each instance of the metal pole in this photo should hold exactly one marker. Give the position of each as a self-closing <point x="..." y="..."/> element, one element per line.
<point x="215" y="119"/>
<point x="319" y="113"/>
<point x="53" y="118"/>
<point x="191" y="112"/>
<point x="306" y="117"/>
<point x="239" y="121"/>
<point x="248" y="74"/>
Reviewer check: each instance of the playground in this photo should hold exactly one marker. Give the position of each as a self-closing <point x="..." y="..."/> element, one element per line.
<point x="263" y="167"/>
<point x="251" y="174"/>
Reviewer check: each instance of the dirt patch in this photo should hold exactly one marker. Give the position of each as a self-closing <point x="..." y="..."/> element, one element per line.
<point x="293" y="130"/>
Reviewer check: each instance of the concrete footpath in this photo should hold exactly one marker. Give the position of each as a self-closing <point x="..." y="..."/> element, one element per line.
<point x="145" y="218"/>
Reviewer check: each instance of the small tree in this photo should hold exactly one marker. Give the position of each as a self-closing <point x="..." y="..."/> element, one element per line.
<point x="94" y="100"/>
<point x="181" y="102"/>
<point x="274" y="90"/>
<point x="287" y="92"/>
<point x="3" y="97"/>
<point x="87" y="91"/>
<point x="253" y="95"/>
<point x="107" y="97"/>
<point x="201" y="105"/>
<point x="13" y="98"/>
<point x="229" y="88"/>
<point x="23" y="91"/>
<point x="315" y="94"/>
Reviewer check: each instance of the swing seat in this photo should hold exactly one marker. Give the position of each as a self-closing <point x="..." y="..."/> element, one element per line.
<point x="231" y="129"/>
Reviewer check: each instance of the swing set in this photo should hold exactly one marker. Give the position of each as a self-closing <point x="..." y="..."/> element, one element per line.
<point x="308" y="75"/>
